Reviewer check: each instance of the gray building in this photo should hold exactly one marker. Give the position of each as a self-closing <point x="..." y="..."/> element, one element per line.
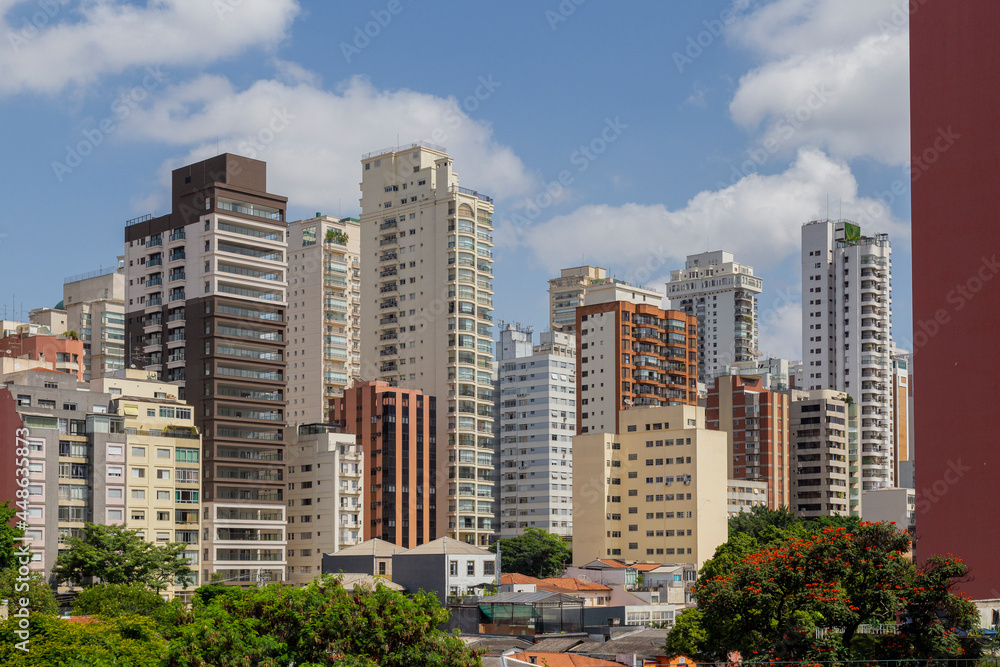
<point x="373" y="557"/>
<point x="445" y="567"/>
<point x="536" y="398"/>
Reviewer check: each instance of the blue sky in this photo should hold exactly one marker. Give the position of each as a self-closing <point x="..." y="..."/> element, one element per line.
<point x="626" y="135"/>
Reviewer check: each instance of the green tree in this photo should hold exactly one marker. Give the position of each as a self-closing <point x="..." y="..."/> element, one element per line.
<point x="126" y="641"/>
<point x="319" y="624"/>
<point x="536" y="553"/>
<point x="768" y="604"/>
<point x="38" y="592"/>
<point x="9" y="535"/>
<point x="117" y="555"/>
<point x="112" y="600"/>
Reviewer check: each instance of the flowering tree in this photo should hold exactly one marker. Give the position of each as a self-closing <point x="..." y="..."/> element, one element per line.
<point x="769" y="605"/>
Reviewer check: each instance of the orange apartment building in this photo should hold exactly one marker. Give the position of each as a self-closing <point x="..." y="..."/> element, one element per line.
<point x="631" y="354"/>
<point x="395" y="429"/>
<point x="63" y="352"/>
<point x="756" y="424"/>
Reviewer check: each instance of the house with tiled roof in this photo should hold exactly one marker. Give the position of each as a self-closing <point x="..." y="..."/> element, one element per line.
<point x="561" y="660"/>
<point x="592" y="594"/>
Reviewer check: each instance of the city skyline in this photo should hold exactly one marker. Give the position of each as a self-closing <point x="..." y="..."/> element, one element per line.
<point x="562" y="185"/>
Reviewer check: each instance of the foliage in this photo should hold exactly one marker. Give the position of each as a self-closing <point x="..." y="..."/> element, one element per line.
<point x="768" y="604"/>
<point x="318" y="624"/>
<point x="8" y="536"/>
<point x="113" y="600"/>
<point x="117" y="555"/>
<point x="536" y="553"/>
<point x="126" y="641"/>
<point x="336" y="236"/>
<point x="42" y="600"/>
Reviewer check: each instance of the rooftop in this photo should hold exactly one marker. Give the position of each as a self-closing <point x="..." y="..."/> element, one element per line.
<point x="373" y="547"/>
<point x="447" y="545"/>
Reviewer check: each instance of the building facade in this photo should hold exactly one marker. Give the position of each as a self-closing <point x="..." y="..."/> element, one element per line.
<point x="656" y="489"/>
<point x="95" y="308"/>
<point x="396" y="431"/>
<point x="755" y="421"/>
<point x="722" y="296"/>
<point x="825" y="445"/>
<point x="34" y="342"/>
<point x="324" y="314"/>
<point x="847" y="332"/>
<point x="631" y="352"/>
<point x="569" y="291"/>
<point x="205" y="290"/>
<point x="537" y="408"/>
<point x="326" y="509"/>
<point x="427" y="312"/>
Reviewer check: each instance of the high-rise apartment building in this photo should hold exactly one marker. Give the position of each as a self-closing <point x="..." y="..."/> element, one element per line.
<point x="205" y="290"/>
<point x="396" y="431"/>
<point x="427" y="312"/>
<point x="567" y="292"/>
<point x="847" y="331"/>
<point x="631" y="352"/>
<point x="162" y="471"/>
<point x="324" y="314"/>
<point x="326" y="510"/>
<point x="722" y="296"/>
<point x="774" y="372"/>
<point x="825" y="454"/>
<point x="656" y="490"/>
<point x="537" y="408"/>
<point x="954" y="69"/>
<point x="901" y="417"/>
<point x="755" y="421"/>
<point x="95" y="308"/>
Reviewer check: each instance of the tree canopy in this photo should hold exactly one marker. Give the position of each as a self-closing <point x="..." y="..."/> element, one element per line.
<point x="8" y="536"/>
<point x="319" y="624"/>
<point x="536" y="553"/>
<point x="116" y="555"/>
<point x="769" y="603"/>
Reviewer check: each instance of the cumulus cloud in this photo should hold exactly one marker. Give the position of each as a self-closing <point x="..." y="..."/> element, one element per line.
<point x="57" y="44"/>
<point x="835" y="74"/>
<point x="313" y="139"/>
<point x="758" y="218"/>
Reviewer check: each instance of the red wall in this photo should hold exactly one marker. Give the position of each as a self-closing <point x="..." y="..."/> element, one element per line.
<point x="955" y="143"/>
<point x="10" y="422"/>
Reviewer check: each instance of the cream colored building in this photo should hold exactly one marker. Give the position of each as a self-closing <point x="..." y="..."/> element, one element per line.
<point x="427" y="314"/>
<point x="324" y="314"/>
<point x="161" y="464"/>
<point x="823" y="451"/>
<point x="569" y="291"/>
<point x="325" y="498"/>
<point x="744" y="495"/>
<point x="657" y="490"/>
<point x="95" y="308"/>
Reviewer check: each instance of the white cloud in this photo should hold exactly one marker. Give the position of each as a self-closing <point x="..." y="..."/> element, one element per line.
<point x="57" y="44"/>
<point x="835" y="75"/>
<point x="758" y="218"/>
<point x="780" y="330"/>
<point x="313" y="139"/>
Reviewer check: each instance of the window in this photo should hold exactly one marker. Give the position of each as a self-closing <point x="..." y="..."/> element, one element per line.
<point x="114" y="493"/>
<point x="69" y="406"/>
<point x="163" y="516"/>
<point x="34" y="489"/>
<point x="114" y="471"/>
<point x="163" y="453"/>
<point x="470" y="568"/>
<point x="138" y="452"/>
<point x="138" y="494"/>
<point x="163" y="495"/>
<point x="115" y="450"/>
<point x="453" y="568"/>
<point x="137" y="515"/>
<point x="150" y="412"/>
<point x="138" y="473"/>
<point x="162" y="474"/>
<point x="114" y="515"/>
<point x="185" y="455"/>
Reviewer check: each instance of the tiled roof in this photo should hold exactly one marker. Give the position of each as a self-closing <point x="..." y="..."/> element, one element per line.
<point x="373" y="547"/>
<point x="648" y="642"/>
<point x="517" y="578"/>
<point x="560" y="584"/>
<point x="498" y="645"/>
<point x="560" y="644"/>
<point x="562" y="659"/>
<point x="449" y="546"/>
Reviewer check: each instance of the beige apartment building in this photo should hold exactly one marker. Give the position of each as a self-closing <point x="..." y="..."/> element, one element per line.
<point x="427" y="314"/>
<point x="325" y="498"/>
<point x="159" y="476"/>
<point x="567" y="292"/>
<point x="324" y="314"/>
<point x="823" y="428"/>
<point x="655" y="491"/>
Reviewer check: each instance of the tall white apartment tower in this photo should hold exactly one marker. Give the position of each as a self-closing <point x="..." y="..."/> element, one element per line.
<point x="847" y="332"/>
<point x="722" y="294"/>
<point x="324" y="314"/>
<point x="537" y="400"/>
<point x="427" y="315"/>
